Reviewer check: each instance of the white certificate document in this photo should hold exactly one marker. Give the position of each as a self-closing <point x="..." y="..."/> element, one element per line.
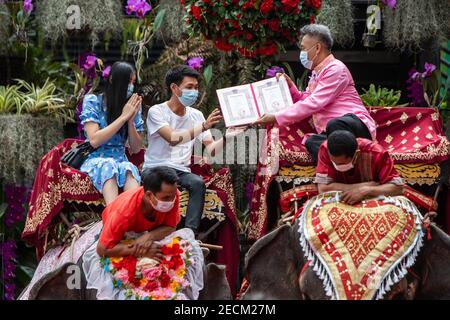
<point x="238" y="105"/>
<point x="242" y="105"/>
<point x="272" y="95"/>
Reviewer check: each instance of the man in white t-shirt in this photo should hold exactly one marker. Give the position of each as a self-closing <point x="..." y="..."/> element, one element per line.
<point x="173" y="127"/>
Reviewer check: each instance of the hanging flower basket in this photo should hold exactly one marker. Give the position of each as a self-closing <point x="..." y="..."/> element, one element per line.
<point x="251" y="27"/>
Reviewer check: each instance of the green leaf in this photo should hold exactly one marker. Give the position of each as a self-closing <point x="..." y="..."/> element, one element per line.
<point x="159" y="19"/>
<point x="3" y="207"/>
<point x="207" y="74"/>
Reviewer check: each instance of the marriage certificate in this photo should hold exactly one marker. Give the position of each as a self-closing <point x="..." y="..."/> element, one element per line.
<point x="242" y="105"/>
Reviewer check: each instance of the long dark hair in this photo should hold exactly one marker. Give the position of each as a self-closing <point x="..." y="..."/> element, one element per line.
<point x="115" y="92"/>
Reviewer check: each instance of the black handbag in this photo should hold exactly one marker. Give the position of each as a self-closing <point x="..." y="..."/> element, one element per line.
<point x="76" y="156"/>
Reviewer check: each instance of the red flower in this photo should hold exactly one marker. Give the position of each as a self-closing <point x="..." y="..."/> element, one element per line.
<point x="196" y="12"/>
<point x="248" y="5"/>
<point x="288" y="5"/>
<point x="266" y="7"/>
<point x="316" y="4"/>
<point x="165" y="280"/>
<point x="248" y="36"/>
<point x="312" y="19"/>
<point x="274" y="25"/>
<point x="223" y="45"/>
<point x="151" y="285"/>
<point x="268" y="50"/>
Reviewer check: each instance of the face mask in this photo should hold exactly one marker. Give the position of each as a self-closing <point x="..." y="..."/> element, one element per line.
<point x="163" y="206"/>
<point x="130" y="90"/>
<point x="188" y="97"/>
<point x="344" y="167"/>
<point x="304" y="59"/>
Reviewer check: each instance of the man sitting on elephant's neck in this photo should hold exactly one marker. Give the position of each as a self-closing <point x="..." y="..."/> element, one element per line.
<point x="153" y="209"/>
<point x="358" y="167"/>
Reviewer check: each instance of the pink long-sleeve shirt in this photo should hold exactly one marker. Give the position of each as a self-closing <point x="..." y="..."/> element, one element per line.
<point x="330" y="94"/>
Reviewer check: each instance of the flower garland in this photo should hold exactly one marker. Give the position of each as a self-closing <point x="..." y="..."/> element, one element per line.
<point x="252" y="27"/>
<point x="148" y="279"/>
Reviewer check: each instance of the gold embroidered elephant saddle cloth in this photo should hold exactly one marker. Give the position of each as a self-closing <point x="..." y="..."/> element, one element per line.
<point x="360" y="251"/>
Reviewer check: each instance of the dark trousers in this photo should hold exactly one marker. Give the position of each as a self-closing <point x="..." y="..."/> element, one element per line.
<point x="348" y="122"/>
<point x="196" y="189"/>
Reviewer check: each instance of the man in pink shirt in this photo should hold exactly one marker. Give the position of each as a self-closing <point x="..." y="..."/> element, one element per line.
<point x="330" y="98"/>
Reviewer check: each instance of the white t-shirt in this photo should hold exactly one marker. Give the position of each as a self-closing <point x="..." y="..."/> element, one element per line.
<point x="159" y="151"/>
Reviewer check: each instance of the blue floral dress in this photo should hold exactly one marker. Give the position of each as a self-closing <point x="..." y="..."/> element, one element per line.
<point x="109" y="160"/>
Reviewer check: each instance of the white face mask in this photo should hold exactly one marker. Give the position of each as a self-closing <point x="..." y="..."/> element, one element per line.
<point x="304" y="58"/>
<point x="345" y="167"/>
<point x="163" y="206"/>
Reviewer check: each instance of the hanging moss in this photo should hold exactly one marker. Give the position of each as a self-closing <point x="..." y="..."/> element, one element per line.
<point x="5" y="22"/>
<point x="25" y="139"/>
<point x="173" y="27"/>
<point x="414" y="25"/>
<point x="338" y="16"/>
<point x="97" y="17"/>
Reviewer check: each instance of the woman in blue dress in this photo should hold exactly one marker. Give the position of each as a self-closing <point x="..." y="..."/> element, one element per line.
<point x="110" y="120"/>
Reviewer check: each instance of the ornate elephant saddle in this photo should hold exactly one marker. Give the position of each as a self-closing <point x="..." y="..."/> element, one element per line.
<point x="360" y="251"/>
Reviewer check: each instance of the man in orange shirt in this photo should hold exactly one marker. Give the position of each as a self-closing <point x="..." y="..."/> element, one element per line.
<point x="153" y="209"/>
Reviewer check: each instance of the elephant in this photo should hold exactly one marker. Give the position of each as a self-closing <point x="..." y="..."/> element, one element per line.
<point x="53" y="286"/>
<point x="276" y="269"/>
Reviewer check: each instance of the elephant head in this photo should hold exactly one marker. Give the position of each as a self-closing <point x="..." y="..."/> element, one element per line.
<point x="272" y="266"/>
<point x="54" y="286"/>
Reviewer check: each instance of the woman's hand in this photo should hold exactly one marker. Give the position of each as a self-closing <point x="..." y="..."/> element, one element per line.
<point x="213" y="118"/>
<point x="284" y="75"/>
<point x="131" y="108"/>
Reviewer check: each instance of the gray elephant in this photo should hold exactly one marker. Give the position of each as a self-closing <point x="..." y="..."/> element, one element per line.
<point x="275" y="269"/>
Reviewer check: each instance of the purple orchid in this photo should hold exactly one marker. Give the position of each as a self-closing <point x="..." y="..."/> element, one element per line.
<point x="139" y="7"/>
<point x="273" y="70"/>
<point x="87" y="64"/>
<point x="429" y="69"/>
<point x="7" y="251"/>
<point x="390" y="3"/>
<point x="106" y="72"/>
<point x="28" y="6"/>
<point x="16" y="197"/>
<point x="196" y="63"/>
<point x="415" y="89"/>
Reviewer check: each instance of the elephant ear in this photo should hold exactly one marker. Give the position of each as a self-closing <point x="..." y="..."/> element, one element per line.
<point x="216" y="285"/>
<point x="272" y="265"/>
<point x="434" y="266"/>
<point x="53" y="286"/>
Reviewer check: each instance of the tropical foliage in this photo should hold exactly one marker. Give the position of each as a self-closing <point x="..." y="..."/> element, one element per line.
<point x="380" y="97"/>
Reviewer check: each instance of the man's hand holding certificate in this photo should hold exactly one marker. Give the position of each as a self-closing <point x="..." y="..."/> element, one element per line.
<point x="242" y="105"/>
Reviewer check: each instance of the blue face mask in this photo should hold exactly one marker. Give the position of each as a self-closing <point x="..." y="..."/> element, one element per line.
<point x="130" y="90"/>
<point x="188" y="97"/>
<point x="304" y="59"/>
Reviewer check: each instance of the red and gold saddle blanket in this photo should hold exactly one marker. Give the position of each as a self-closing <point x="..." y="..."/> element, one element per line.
<point x="360" y="251"/>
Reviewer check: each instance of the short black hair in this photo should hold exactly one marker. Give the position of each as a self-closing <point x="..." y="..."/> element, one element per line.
<point x="177" y="74"/>
<point x="152" y="178"/>
<point x="342" y="142"/>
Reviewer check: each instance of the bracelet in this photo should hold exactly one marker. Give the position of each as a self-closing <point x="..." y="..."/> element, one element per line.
<point x="203" y="126"/>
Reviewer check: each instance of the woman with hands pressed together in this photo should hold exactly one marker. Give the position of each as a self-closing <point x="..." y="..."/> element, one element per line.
<point x="110" y="120"/>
